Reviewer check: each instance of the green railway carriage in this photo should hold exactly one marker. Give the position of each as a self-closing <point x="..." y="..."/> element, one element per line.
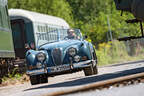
<point x="30" y="27"/>
<point x="6" y="42"/>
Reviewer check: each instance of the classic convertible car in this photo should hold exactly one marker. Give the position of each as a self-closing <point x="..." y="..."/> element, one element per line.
<point x="60" y="51"/>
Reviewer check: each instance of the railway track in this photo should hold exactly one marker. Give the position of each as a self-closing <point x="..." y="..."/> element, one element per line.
<point x="115" y="82"/>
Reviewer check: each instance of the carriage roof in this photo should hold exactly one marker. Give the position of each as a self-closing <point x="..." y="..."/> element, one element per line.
<point x="37" y="17"/>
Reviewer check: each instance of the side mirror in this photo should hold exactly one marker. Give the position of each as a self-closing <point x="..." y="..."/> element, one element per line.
<point x="85" y="37"/>
<point x="27" y="46"/>
<point x="32" y="45"/>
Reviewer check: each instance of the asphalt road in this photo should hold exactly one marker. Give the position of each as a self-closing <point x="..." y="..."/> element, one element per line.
<point x="67" y="81"/>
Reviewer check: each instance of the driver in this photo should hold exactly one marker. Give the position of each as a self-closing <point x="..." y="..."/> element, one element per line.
<point x="71" y="34"/>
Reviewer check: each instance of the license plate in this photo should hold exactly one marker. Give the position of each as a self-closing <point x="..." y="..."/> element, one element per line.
<point x="60" y="68"/>
<point x="35" y="71"/>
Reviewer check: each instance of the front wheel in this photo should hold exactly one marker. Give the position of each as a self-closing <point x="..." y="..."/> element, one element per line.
<point x="37" y="79"/>
<point x="95" y="69"/>
<point x="91" y="70"/>
<point x="88" y="71"/>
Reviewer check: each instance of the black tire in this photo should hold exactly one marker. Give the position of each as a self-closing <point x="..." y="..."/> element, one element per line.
<point x="88" y="71"/>
<point x="37" y="79"/>
<point x="43" y="79"/>
<point x="95" y="69"/>
<point x="34" y="80"/>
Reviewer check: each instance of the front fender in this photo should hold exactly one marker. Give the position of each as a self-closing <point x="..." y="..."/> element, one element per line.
<point x="87" y="49"/>
<point x="31" y="57"/>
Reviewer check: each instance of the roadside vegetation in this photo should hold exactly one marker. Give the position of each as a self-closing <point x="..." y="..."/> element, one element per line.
<point x="12" y="79"/>
<point x="119" y="52"/>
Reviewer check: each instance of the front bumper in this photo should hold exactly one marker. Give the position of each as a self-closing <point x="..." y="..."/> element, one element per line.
<point x="61" y="68"/>
<point x="66" y="67"/>
<point x="36" y="72"/>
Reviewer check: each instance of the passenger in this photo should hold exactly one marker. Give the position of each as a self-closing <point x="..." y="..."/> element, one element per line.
<point x="71" y="34"/>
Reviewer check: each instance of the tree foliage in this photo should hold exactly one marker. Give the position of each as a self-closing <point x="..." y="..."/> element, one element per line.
<point x="91" y="16"/>
<point x="59" y="8"/>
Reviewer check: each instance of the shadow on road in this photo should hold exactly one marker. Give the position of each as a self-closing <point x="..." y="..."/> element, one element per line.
<point x="91" y="79"/>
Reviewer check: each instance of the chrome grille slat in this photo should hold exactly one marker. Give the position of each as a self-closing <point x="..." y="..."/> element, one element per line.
<point x="56" y="55"/>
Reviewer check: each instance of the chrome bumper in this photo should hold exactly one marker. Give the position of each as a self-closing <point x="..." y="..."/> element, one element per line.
<point x="60" y="68"/>
<point x="36" y="72"/>
<point x="82" y="64"/>
<point x="67" y="66"/>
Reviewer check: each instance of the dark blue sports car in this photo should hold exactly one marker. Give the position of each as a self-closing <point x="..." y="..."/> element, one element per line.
<point x="63" y="51"/>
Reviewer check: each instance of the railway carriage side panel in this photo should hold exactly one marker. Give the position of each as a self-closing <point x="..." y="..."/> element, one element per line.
<point x="6" y="42"/>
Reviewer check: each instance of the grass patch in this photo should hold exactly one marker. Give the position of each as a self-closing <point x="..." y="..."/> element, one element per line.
<point x="14" y="78"/>
<point x="118" y="52"/>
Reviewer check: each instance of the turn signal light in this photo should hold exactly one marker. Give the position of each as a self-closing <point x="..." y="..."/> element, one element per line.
<point x="84" y="58"/>
<point x="30" y="67"/>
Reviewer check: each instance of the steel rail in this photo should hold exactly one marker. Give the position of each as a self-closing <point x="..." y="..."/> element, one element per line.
<point x="97" y="85"/>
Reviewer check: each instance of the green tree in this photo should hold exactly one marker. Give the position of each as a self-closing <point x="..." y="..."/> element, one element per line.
<point x="58" y="8"/>
<point x="88" y="15"/>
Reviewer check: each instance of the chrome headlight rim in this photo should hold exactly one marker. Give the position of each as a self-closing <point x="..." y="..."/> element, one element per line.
<point x="39" y="65"/>
<point x="72" y="51"/>
<point x="77" y="58"/>
<point x="41" y="56"/>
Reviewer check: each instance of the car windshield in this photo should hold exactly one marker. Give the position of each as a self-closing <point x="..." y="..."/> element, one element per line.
<point x="57" y="35"/>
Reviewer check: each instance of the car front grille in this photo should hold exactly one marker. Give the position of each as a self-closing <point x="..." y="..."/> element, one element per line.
<point x="57" y="56"/>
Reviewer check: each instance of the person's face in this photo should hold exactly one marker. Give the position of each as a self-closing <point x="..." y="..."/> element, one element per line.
<point x="71" y="33"/>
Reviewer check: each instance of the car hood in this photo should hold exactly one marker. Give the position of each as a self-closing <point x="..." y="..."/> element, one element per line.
<point x="61" y="44"/>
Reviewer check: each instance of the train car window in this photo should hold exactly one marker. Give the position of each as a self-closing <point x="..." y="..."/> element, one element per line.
<point x="2" y="16"/>
<point x="6" y="10"/>
<point x="6" y="25"/>
<point x="1" y="23"/>
<point x="7" y="16"/>
<point x="41" y="28"/>
<point x="46" y="28"/>
<point x="38" y="28"/>
<point x="4" y="19"/>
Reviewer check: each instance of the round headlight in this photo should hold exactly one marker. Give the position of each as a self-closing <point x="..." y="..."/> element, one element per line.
<point x="41" y="56"/>
<point x="72" y="51"/>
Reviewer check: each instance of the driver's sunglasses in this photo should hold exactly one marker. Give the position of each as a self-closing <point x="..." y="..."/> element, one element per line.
<point x="71" y="32"/>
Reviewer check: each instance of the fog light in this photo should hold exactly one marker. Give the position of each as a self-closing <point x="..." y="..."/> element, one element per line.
<point x="77" y="58"/>
<point x="30" y="67"/>
<point x="39" y="65"/>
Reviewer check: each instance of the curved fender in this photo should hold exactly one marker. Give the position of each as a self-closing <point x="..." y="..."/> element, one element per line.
<point x="31" y="56"/>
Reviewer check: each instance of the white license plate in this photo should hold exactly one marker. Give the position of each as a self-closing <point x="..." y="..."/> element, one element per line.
<point x="60" y="68"/>
<point x="35" y="71"/>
